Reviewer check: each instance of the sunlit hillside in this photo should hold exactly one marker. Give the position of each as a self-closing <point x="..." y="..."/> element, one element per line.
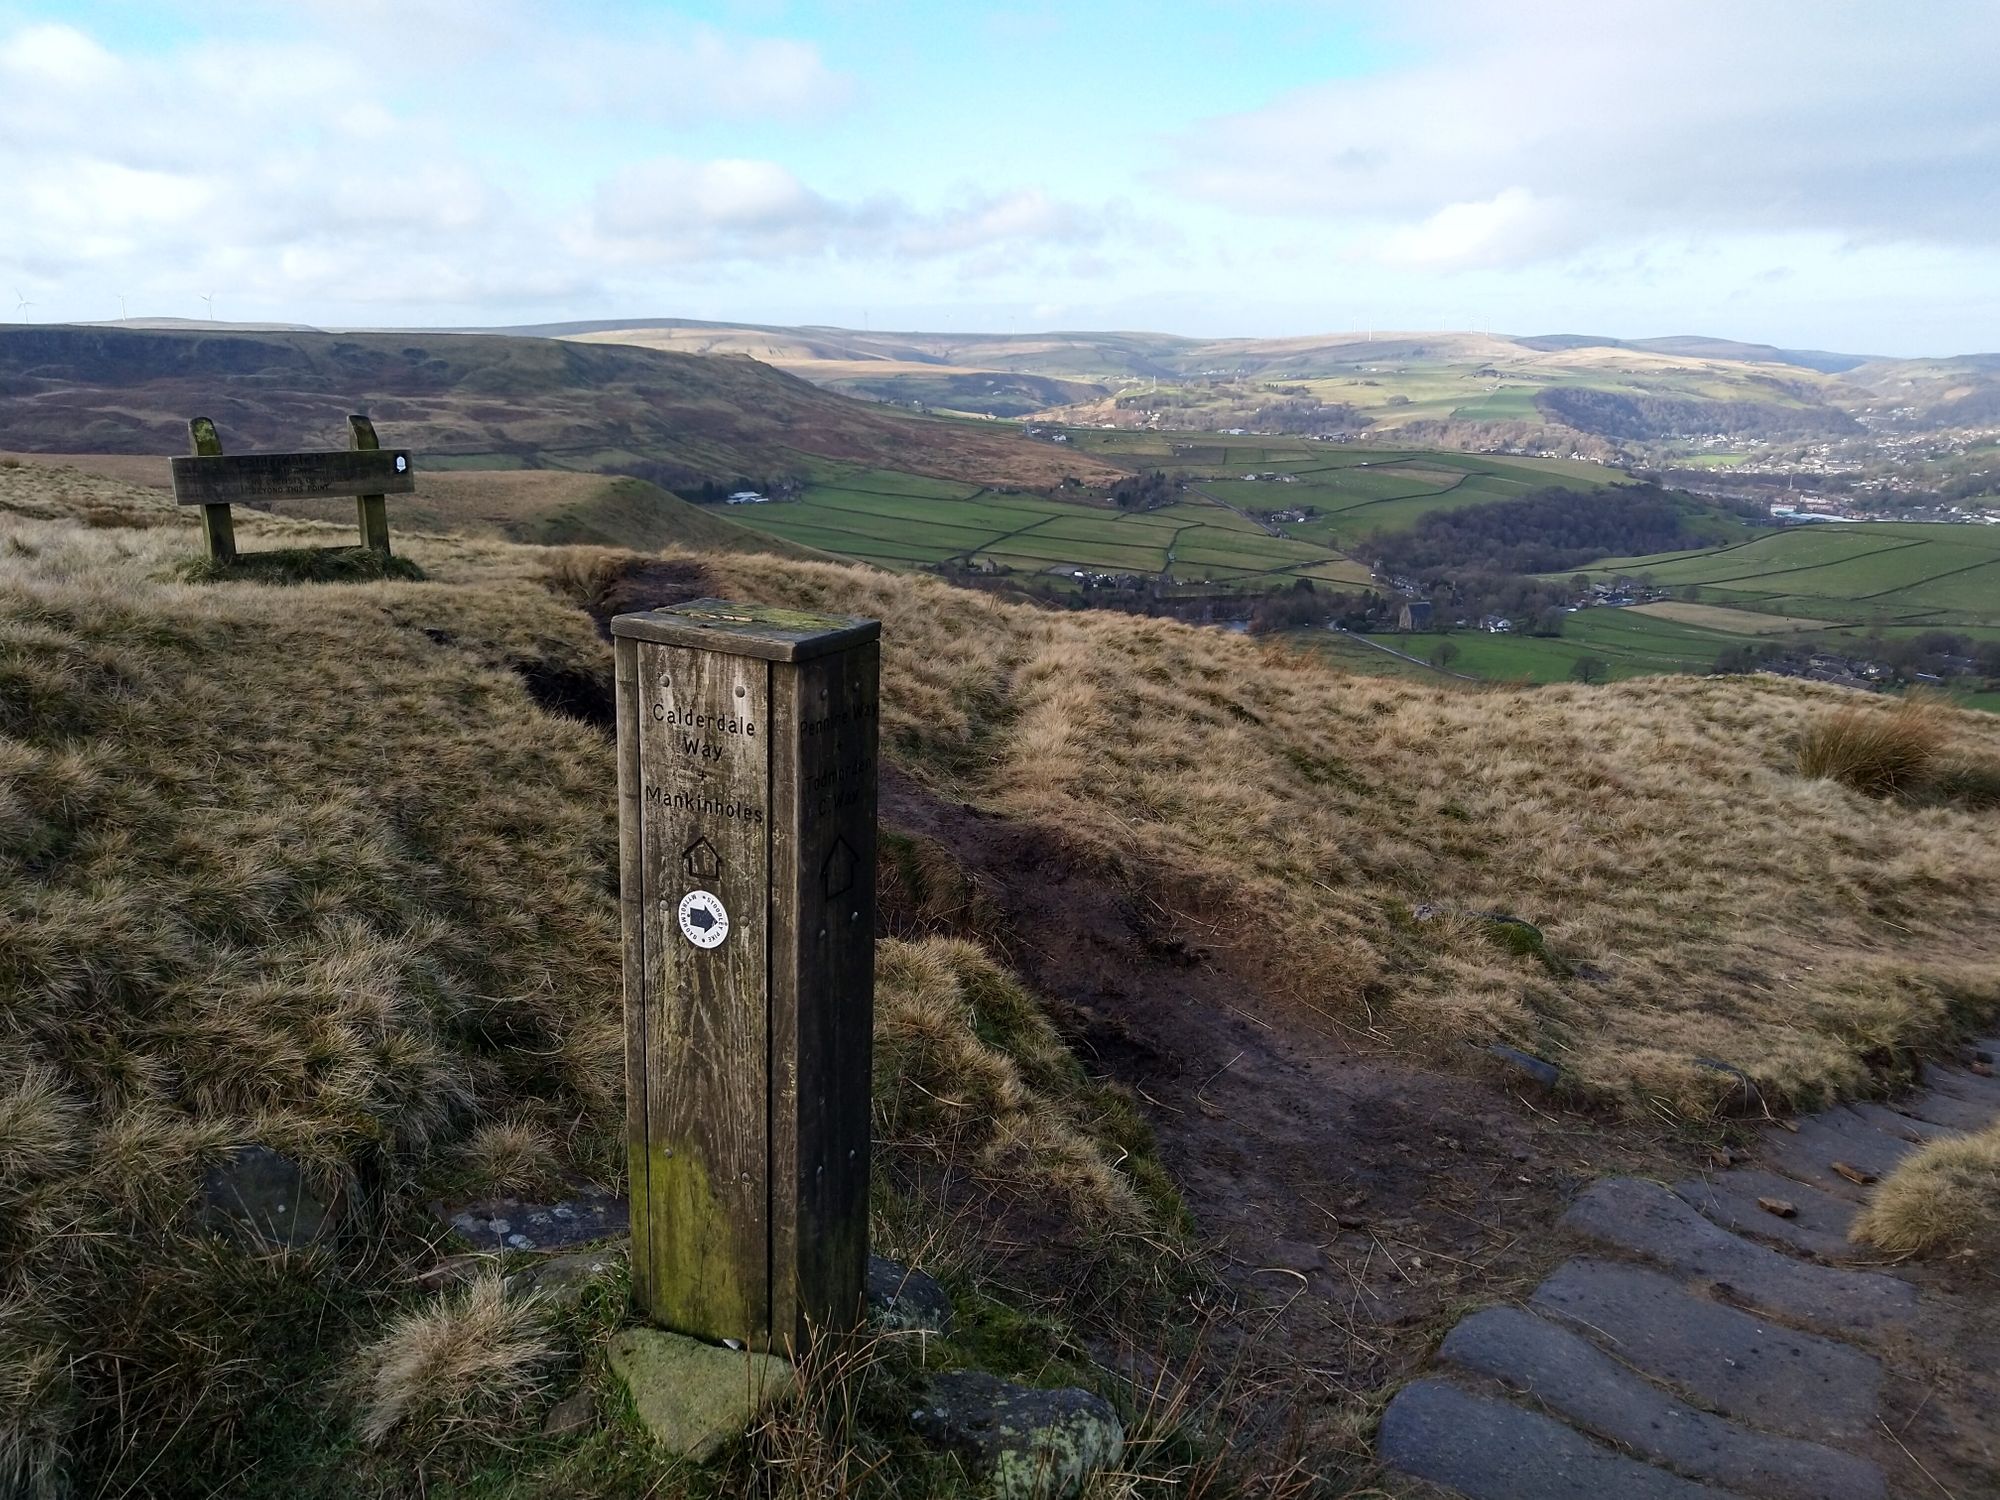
<point x="332" y="867"/>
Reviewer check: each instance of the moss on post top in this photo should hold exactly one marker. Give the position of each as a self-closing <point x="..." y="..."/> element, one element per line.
<point x="760" y="630"/>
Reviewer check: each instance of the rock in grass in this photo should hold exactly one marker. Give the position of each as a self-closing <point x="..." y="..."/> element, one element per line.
<point x="1029" y="1444"/>
<point x="260" y="1199"/>
<point x="904" y="1300"/>
<point x="575" y="1413"/>
<point x="693" y="1397"/>
<point x="1535" y="1069"/>
<point x="562" y="1281"/>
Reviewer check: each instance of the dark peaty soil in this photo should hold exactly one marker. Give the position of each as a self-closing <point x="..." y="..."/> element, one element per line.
<point x="1357" y="1202"/>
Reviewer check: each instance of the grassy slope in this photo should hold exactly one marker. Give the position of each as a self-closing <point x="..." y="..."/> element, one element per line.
<point x="309" y="866"/>
<point x="550" y="506"/>
<point x="1322" y="809"/>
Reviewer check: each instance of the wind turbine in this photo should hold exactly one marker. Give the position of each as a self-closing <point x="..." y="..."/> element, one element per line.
<point x="21" y="304"/>
<point x="121" y="308"/>
<point x="209" y="300"/>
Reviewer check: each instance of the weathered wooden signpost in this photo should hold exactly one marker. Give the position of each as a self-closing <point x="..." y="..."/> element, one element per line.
<point x="212" y="480"/>
<point x="746" y="782"/>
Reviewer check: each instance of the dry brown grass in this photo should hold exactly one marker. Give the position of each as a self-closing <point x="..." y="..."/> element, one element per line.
<point x="1885" y="752"/>
<point x="1711" y="902"/>
<point x="968" y="1067"/>
<point x="310" y="867"/>
<point x="1943" y="1198"/>
<point x="467" y="1368"/>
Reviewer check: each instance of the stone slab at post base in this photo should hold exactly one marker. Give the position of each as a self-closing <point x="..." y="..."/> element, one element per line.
<point x="747" y="785"/>
<point x="693" y="1397"/>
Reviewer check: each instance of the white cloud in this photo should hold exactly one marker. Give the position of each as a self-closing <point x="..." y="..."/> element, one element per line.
<point x="1512" y="226"/>
<point x="1574" y="122"/>
<point x="670" y="211"/>
<point x="278" y="169"/>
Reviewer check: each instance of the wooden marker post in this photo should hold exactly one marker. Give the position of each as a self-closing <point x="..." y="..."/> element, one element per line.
<point x="746" y="784"/>
<point x="372" y="511"/>
<point x="218" y="530"/>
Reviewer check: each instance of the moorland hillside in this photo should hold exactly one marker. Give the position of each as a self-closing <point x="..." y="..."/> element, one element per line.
<point x="331" y="868"/>
<point x="488" y="400"/>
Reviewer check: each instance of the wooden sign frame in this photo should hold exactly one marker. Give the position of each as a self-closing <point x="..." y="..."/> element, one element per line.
<point x="747" y="752"/>
<point x="209" y="478"/>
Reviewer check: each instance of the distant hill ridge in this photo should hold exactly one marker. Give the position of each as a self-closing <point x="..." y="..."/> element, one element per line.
<point x="501" y="401"/>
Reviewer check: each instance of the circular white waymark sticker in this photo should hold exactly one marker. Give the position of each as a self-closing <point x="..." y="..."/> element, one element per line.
<point x="704" y="919"/>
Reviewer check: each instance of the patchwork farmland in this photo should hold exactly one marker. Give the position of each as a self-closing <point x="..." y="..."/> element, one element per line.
<point x="905" y="521"/>
<point x="1869" y="573"/>
<point x="1220" y="535"/>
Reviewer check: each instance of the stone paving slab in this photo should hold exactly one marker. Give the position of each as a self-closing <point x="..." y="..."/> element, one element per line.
<point x="1966" y="1115"/>
<point x="514" y="1224"/>
<point x="1730" y="1199"/>
<point x="1644" y="1219"/>
<point x="1962" y="1084"/>
<point x="1490" y="1449"/>
<point x="1731" y="1362"/>
<point x="1894" y="1122"/>
<point x="1568" y="1374"/>
<point x="1838" y="1135"/>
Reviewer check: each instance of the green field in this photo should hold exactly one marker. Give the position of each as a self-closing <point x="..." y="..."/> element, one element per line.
<point x="1864" y="573"/>
<point x="1630" y="645"/>
<point x="904" y="521"/>
<point x="1357" y="492"/>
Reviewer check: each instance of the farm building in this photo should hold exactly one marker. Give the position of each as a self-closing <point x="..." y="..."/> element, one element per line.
<point x="1414" y="615"/>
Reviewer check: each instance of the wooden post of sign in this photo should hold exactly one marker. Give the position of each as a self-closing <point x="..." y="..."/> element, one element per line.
<point x="746" y="781"/>
<point x="371" y="510"/>
<point x="217" y="529"/>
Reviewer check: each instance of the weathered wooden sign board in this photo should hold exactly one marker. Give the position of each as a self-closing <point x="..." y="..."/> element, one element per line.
<point x="365" y="470"/>
<point x="746" y="779"/>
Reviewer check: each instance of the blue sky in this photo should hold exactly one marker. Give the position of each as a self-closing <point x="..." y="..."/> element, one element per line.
<point x="1812" y="174"/>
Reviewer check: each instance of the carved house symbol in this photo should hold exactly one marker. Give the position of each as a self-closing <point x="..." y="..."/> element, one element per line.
<point x="701" y="861"/>
<point x="837" y="873"/>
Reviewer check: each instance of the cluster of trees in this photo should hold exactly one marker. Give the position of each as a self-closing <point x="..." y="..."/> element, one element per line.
<point x="1147" y="490"/>
<point x="1942" y="653"/>
<point x="1617" y="414"/>
<point x="1934" y="653"/>
<point x="1542" y="532"/>
<point x="1303" y="605"/>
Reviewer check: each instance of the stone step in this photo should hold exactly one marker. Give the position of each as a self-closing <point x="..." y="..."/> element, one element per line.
<point x="1567" y="1374"/>
<point x="1939" y="1108"/>
<point x="1730" y="1199"/>
<point x="1891" y="1121"/>
<point x="1644" y="1219"/>
<point x="1731" y="1362"/>
<point x="1490" y="1449"/>
<point x="1839" y="1135"/>
<point x="1971" y="1087"/>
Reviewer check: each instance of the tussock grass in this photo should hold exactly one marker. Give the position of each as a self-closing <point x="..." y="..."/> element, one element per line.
<point x="465" y="1369"/>
<point x="1942" y="1198"/>
<point x="1884" y="752"/>
<point x="969" y="1068"/>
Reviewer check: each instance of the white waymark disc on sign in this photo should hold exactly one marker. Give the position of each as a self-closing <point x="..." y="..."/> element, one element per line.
<point x="704" y="919"/>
